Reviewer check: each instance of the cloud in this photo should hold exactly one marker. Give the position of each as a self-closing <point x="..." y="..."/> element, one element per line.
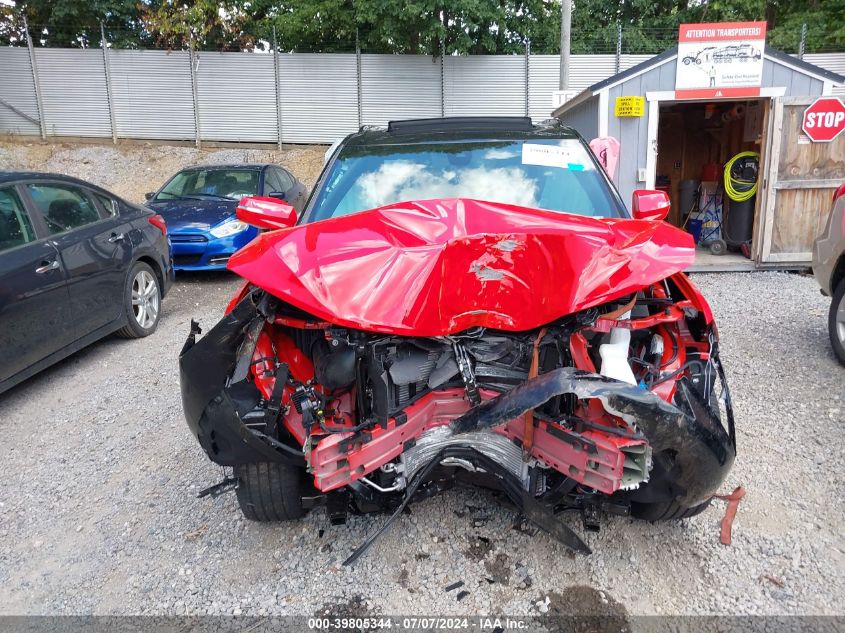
<point x="400" y="181"/>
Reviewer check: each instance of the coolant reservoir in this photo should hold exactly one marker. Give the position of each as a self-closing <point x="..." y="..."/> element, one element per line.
<point x="614" y="355"/>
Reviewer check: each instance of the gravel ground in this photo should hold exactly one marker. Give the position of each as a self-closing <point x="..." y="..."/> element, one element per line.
<point x="132" y="169"/>
<point x="99" y="515"/>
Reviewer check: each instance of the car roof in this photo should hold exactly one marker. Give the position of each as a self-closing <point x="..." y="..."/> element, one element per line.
<point x="14" y="176"/>
<point x="254" y="166"/>
<point x="420" y="131"/>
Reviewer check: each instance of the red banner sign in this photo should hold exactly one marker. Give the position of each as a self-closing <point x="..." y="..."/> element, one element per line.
<point x="722" y="31"/>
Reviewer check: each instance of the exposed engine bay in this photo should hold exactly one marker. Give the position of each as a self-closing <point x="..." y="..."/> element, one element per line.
<point x="620" y="405"/>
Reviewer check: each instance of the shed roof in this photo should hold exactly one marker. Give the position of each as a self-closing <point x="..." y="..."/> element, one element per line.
<point x="668" y="55"/>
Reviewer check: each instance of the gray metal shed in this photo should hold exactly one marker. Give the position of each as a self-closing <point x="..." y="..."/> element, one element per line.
<point x="787" y="83"/>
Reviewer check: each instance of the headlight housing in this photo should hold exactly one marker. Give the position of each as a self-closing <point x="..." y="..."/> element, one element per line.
<point x="230" y="227"/>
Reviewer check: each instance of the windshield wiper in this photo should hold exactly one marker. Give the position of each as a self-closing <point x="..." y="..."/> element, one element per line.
<point x="211" y="195"/>
<point x="175" y="197"/>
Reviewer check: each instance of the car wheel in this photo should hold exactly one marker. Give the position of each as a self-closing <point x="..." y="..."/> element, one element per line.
<point x="269" y="491"/>
<point x="665" y="511"/>
<point x="657" y="499"/>
<point x="141" y="301"/>
<point x="686" y="61"/>
<point x="836" y="321"/>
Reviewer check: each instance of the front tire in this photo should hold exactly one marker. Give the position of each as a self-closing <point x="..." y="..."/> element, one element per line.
<point x="141" y="302"/>
<point x="656" y="500"/>
<point x="269" y="491"/>
<point x="666" y="511"/>
<point x="836" y="321"/>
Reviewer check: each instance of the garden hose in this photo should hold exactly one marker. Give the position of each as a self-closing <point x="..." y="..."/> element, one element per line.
<point x="737" y="189"/>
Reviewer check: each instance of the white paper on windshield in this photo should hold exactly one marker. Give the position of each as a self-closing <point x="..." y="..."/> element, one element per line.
<point x="548" y="155"/>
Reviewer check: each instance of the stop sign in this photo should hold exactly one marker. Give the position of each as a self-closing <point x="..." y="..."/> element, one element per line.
<point x="824" y="119"/>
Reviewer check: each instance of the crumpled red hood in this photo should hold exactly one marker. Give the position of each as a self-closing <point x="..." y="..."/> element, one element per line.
<point x="436" y="267"/>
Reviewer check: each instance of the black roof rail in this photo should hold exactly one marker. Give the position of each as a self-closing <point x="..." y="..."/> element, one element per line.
<point x="463" y="123"/>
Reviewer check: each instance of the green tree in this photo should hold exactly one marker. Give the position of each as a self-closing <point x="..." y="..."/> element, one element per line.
<point x="72" y="23"/>
<point x="226" y="25"/>
<point x="409" y="26"/>
<point x="307" y="25"/>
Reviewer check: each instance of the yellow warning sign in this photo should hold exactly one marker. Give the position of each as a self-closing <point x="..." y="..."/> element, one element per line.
<point x="630" y="106"/>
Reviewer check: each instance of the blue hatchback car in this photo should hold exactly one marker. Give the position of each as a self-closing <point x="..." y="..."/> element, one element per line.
<point x="198" y="204"/>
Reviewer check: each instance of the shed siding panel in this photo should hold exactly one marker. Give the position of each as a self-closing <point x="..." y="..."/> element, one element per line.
<point x="584" y="118"/>
<point x="631" y="132"/>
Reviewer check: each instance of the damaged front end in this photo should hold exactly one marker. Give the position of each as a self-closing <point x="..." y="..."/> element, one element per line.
<point x="621" y="408"/>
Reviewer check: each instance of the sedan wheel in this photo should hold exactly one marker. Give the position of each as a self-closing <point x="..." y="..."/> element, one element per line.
<point x="836" y="321"/>
<point x="142" y="302"/>
<point x="145" y="299"/>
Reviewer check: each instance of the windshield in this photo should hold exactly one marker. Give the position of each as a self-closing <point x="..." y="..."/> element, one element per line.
<point x="553" y="174"/>
<point x="230" y="184"/>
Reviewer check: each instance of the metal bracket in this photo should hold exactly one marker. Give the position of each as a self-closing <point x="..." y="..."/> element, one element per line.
<point x="229" y="483"/>
<point x="467" y="375"/>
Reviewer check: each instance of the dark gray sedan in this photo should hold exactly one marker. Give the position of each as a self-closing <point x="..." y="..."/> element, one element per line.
<point x="76" y="263"/>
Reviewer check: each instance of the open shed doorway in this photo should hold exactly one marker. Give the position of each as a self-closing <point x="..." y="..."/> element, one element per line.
<point x="694" y="141"/>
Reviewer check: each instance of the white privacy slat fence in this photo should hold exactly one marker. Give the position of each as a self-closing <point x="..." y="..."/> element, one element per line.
<point x="151" y="93"/>
<point x="266" y="98"/>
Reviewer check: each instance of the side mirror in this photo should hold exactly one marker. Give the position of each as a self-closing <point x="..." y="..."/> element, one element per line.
<point x="266" y="213"/>
<point x="149" y="195"/>
<point x="279" y="195"/>
<point x="650" y="204"/>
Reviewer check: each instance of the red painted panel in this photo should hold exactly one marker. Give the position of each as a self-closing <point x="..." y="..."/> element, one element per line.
<point x="436" y="267"/>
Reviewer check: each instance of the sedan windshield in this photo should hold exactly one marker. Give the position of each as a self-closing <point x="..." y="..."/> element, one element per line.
<point x="227" y="184"/>
<point x="553" y="174"/>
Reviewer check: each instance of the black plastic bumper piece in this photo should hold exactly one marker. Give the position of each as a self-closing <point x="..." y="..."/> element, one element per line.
<point x="702" y="450"/>
<point x="212" y="407"/>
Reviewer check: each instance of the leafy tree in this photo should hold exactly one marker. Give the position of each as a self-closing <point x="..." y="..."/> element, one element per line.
<point x="71" y="23"/>
<point x="210" y="24"/>
<point x="409" y="26"/>
<point x="307" y="25"/>
<point x="825" y="20"/>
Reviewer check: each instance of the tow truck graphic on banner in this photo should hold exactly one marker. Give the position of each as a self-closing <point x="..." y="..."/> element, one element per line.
<point x="720" y="60"/>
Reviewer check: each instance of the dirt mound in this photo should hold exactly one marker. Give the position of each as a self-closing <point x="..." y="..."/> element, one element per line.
<point x="131" y="169"/>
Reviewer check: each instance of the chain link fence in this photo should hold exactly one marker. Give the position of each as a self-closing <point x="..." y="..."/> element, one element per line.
<point x="115" y="86"/>
<point x="348" y="33"/>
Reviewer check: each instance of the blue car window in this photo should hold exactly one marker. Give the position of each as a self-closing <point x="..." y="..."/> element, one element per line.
<point x="285" y="181"/>
<point x="231" y="184"/>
